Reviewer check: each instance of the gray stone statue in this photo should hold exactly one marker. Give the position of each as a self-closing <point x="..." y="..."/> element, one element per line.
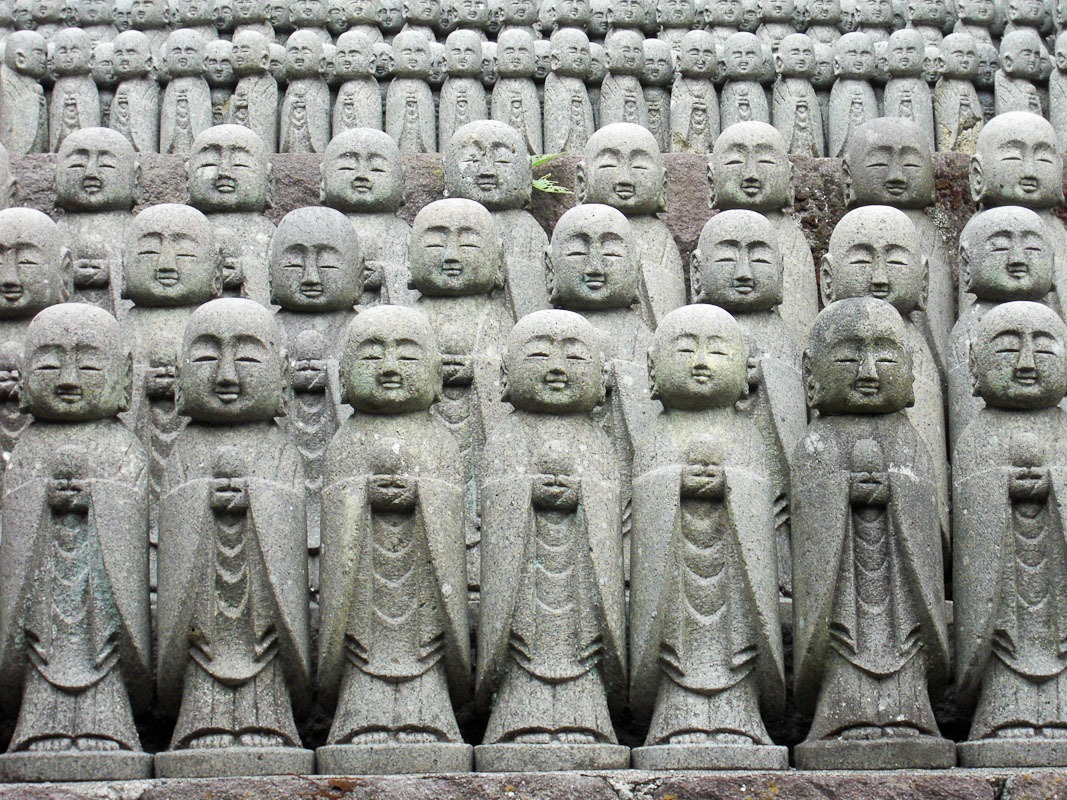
<point x="777" y="20"/>
<point x="870" y="635"/>
<point x="656" y="82"/>
<point x="1020" y="69"/>
<point x="135" y="106"/>
<point x="824" y="82"/>
<point x="74" y="619"/>
<point x="363" y="176"/>
<point x="23" y="107"/>
<point x="96" y="18"/>
<point x="410" y="117"/>
<point x="623" y="168"/>
<point x="218" y="71"/>
<point x="304" y="122"/>
<point x="36" y="272"/>
<point x="358" y="16"/>
<point x="395" y="650"/>
<point x="1006" y="255"/>
<point x="97" y="183"/>
<point x="675" y="19"/>
<point x="186" y="109"/>
<point x="359" y="99"/>
<point x="823" y="19"/>
<point x="103" y="72"/>
<point x="907" y="94"/>
<point x="254" y="103"/>
<point x="463" y="98"/>
<point x="795" y="109"/>
<point x="568" y="110"/>
<point x="621" y="96"/>
<point x="310" y="15"/>
<point x="8" y="184"/>
<point x="487" y="162"/>
<point x="852" y="100"/>
<point x="47" y="17"/>
<point x="251" y="15"/>
<point x="958" y="114"/>
<point x="976" y="17"/>
<point x="422" y="16"/>
<point x="514" y="100"/>
<point x="626" y="14"/>
<point x="985" y="80"/>
<point x="519" y="14"/>
<point x="705" y="641"/>
<point x="875" y="18"/>
<point x="551" y="635"/>
<point x="743" y="98"/>
<point x="75" y="101"/>
<point x="197" y="15"/>
<point x="1057" y="91"/>
<point x="694" y="101"/>
<point x="280" y="21"/>
<point x="750" y="169"/>
<point x="929" y="18"/>
<point x="233" y="635"/>
<point x="229" y="179"/>
<point x="594" y="76"/>
<point x="1009" y="564"/>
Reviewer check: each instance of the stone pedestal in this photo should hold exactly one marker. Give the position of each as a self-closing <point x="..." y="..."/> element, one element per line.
<point x="549" y="757"/>
<point x="919" y="752"/>
<point x="710" y="756"/>
<point x="227" y="762"/>
<point x="396" y="759"/>
<point x="35" y="767"/>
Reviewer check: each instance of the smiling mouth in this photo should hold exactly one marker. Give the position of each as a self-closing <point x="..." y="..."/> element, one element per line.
<point x="391" y="383"/>
<point x="624" y="191"/>
<point x="895" y="188"/>
<point x="594" y="280"/>
<point x="486" y="183"/>
<point x="744" y="285"/>
<point x="69" y="395"/>
<point x="311" y="291"/>
<point x="227" y="394"/>
<point x="451" y="269"/>
<point x="12" y="292"/>
<point x="556" y="384"/>
<point x="1018" y="270"/>
<point x="1028" y="185"/>
<point x="225" y="185"/>
<point x="1025" y="377"/>
<point x="92" y="185"/>
<point x="361" y="185"/>
<point x="167" y="277"/>
<point x="868" y="386"/>
<point x="751" y="186"/>
<point x="880" y="292"/>
<point x="701" y="375"/>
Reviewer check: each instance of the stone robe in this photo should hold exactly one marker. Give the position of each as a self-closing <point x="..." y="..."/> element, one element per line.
<point x="742" y="101"/>
<point x="622" y="100"/>
<point x="662" y="285"/>
<point x="383" y="240"/>
<point x="254" y="232"/>
<point x="254" y="104"/>
<point x="910" y="98"/>
<point x="694" y="116"/>
<point x="75" y="105"/>
<point x="135" y="113"/>
<point x="185" y="114"/>
<point x="410" y="117"/>
<point x="304" y="124"/>
<point x="1015" y="94"/>
<point x="525" y="244"/>
<point x="1057" y="106"/>
<point x="958" y="116"/>
<point x="515" y="103"/>
<point x="798" y="117"/>
<point x="358" y="105"/>
<point x="97" y="260"/>
<point x="23" y="114"/>
<point x="463" y="100"/>
<point x="852" y="103"/>
<point x="658" y="103"/>
<point x="568" y="117"/>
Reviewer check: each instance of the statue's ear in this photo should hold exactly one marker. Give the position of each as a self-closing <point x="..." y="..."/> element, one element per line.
<point x="653" y="389"/>
<point x="505" y="393"/>
<point x="579" y="182"/>
<point x="127" y="383"/>
<point x="696" y="263"/>
<point x="976" y="179"/>
<point x="811" y="386"/>
<point x="270" y="185"/>
<point x="710" y="188"/>
<point x="135" y="190"/>
<point x="965" y="267"/>
<point x="778" y="63"/>
<point x="846" y="183"/>
<point x="972" y="368"/>
<point x="553" y="60"/>
<point x="66" y="274"/>
<point x="925" y="290"/>
<point x="826" y="280"/>
<point x="550" y="276"/>
<point x="216" y="278"/>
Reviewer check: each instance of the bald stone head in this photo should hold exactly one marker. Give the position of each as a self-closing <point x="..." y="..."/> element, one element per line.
<point x="622" y="167"/>
<point x="487" y="161"/>
<point x="131" y="55"/>
<point x="570" y="53"/>
<point x="228" y="170"/>
<point x="796" y="57"/>
<point x="183" y="53"/>
<point x="959" y="54"/>
<point x="1016" y="161"/>
<point x="171" y="258"/>
<point x="35" y="268"/>
<point x="1006" y="254"/>
<point x="905" y="53"/>
<point x="888" y="161"/>
<point x="742" y="57"/>
<point x="96" y="170"/>
<point x="362" y="172"/>
<point x="698" y="57"/>
<point x="737" y="263"/>
<point x="315" y="262"/>
<point x="593" y="262"/>
<point x="455" y="249"/>
<point x="72" y="52"/>
<point x="750" y="169"/>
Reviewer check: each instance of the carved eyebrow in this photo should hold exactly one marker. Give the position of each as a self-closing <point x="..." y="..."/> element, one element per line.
<point x="408" y="342"/>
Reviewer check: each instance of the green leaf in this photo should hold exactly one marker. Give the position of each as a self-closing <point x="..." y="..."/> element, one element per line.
<point x="536" y="161"/>
<point x="546" y="184"/>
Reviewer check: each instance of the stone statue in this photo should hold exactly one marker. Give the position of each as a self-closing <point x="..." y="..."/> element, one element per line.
<point x="871" y="637"/>
<point x="1020" y="68"/>
<point x="359" y="100"/>
<point x="777" y="20"/>
<point x="875" y="252"/>
<point x="514" y="100"/>
<point x="410" y="117"/>
<point x="23" y="108"/>
<point x="186" y="110"/>
<point x="621" y="96"/>
<point x="823" y="82"/>
<point x="985" y="80"/>
<point x="1009" y="565"/>
<point x="463" y="98"/>
<point x="694" y="101"/>
<point x="8" y="184"/>
<point x="976" y="17"/>
<point x="823" y="21"/>
<point x="47" y="18"/>
<point x="473" y="15"/>
<point x="233" y="634"/>
<point x="395" y="649"/>
<point x="568" y="110"/>
<point x="103" y="72"/>
<point x="75" y="101"/>
<point x="705" y="641"/>
<point x="197" y="15"/>
<point x="795" y="110"/>
<point x="96" y="18"/>
<point x="1057" y="91"/>
<point x="135" y="107"/>
<point x="551" y="633"/>
<point x="852" y="100"/>
<point x="280" y="21"/>
<point x="519" y="14"/>
<point x="675" y="19"/>
<point x="223" y="13"/>
<point x="251" y="16"/>
<point x="958" y="115"/>
<point x="357" y="16"/>
<point x="623" y="168"/>
<point x="218" y="71"/>
<point x="487" y="162"/>
<point x="390" y="18"/>
<point x="363" y="176"/>
<point x="422" y="16"/>
<point x="875" y="18"/>
<point x="929" y="18"/>
<point x="97" y="183"/>
<point x="594" y="76"/>
<point x="36" y="272"/>
<point x="656" y="82"/>
<point x="749" y="169"/>
<point x="1006" y="255"/>
<point x="304" y="123"/>
<point x="626" y="14"/>
<point x="277" y="64"/>
<point x="743" y="98"/>
<point x="254" y="103"/>
<point x="572" y="14"/>
<point x="151" y="18"/>
<point x="74" y="630"/>
<point x="229" y="179"/>
<point x="907" y="94"/>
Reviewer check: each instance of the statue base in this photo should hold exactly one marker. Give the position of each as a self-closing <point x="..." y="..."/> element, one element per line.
<point x="916" y="752"/>
<point x="76" y="765"/>
<point x="552" y="757"/>
<point x="232" y="762"/>
<point x="396" y="759"/>
<point x="1036" y="752"/>
<point x="711" y="756"/>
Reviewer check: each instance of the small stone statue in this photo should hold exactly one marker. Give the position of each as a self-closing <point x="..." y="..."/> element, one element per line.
<point x="96" y="18"/>
<point x="229" y="179"/>
<point x="390" y="19"/>
<point x="310" y="15"/>
<point x="463" y="98"/>
<point x="621" y="96"/>
<point x="750" y="169"/>
<point x="976" y="17"/>
<point x="568" y="110"/>
<point x="473" y="15"/>
<point x="743" y="98"/>
<point x="675" y="19"/>
<point x="1057" y="91"/>
<point x="656" y="82"/>
<point x="871" y="636"/>
<point x="623" y="168"/>
<point x="135" y="107"/>
<point x="487" y="162"/>
<point x="958" y="115"/>
<point x="392" y="533"/>
<point x="551" y="635"/>
<point x="197" y="15"/>
<point x="929" y="18"/>
<point x="363" y="176"/>
<point x="223" y="17"/>
<point x="777" y="20"/>
<point x="795" y="110"/>
<point x="985" y="80"/>
<point x="823" y="82"/>
<point x="359" y="100"/>
<point x="410" y="117"/>
<point x="75" y="101"/>
<point x="514" y="100"/>
<point x="357" y="16"/>
<point x="422" y="16"/>
<point x="823" y="21"/>
<point x="233" y="633"/>
<point x="103" y="73"/>
<point x="304" y="124"/>
<point x="74" y="632"/>
<point x="519" y="14"/>
<point x="694" y="101"/>
<point x="573" y="14"/>
<point x="35" y="281"/>
<point x="852" y="100"/>
<point x="875" y="18"/>
<point x="249" y="16"/>
<point x="907" y="94"/>
<point x="626" y="14"/>
<point x="594" y="76"/>
<point x="1020" y="69"/>
<point x="97" y="183"/>
<point x="218" y="70"/>
<point x="705" y="642"/>
<point x="23" y="108"/>
<point x="8" y="184"/>
<point x="151" y="18"/>
<point x="1005" y="256"/>
<point x="47" y="18"/>
<point x="280" y="21"/>
<point x="186" y="110"/>
<point x="1009" y="565"/>
<point x="254" y="103"/>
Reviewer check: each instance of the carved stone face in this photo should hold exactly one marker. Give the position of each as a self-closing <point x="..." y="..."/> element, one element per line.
<point x="184" y="53"/>
<point x="1026" y="12"/>
<point x="874" y="252"/>
<point x="594" y="259"/>
<point x="874" y="13"/>
<point x="825" y="12"/>
<point x="25" y="53"/>
<point x="742" y="56"/>
<point x="251" y="53"/>
<point x="623" y="168"/>
<point x="626" y="52"/>
<point x="515" y="54"/>
<point x="473" y="13"/>
<point x="959" y="53"/>
<point x="977" y="12"/>
<point x="315" y="261"/>
<point x="278" y="15"/>
<point x="675" y="13"/>
<point x="94" y="12"/>
<point x="854" y="56"/>
<point x="1016" y="162"/>
<point x="520" y="12"/>
<point x="224" y="15"/>
<point x="411" y="55"/>
<point x="307" y="13"/>
<point x="1007" y="255"/>
<point x="750" y="169"/>
<point x="598" y="18"/>
<point x="170" y="258"/>
<point x="303" y="54"/>
<point x="824" y="67"/>
<point x="570" y="53"/>
<point x="72" y="51"/>
<point x="35" y="267"/>
<point x="96" y="170"/>
<point x="598" y="65"/>
<point x="131" y="55"/>
<point x="698" y="359"/>
<point x="572" y="13"/>
<point x="455" y="249"/>
<point x="1061" y="52"/>
<point x="726" y="13"/>
<point x="796" y="56"/>
<point x="1019" y="357"/>
<point x="988" y="64"/>
<point x="354" y="58"/>
<point x="486" y="161"/>
<point x="390" y="16"/>
<point x="232" y="367"/>
<point x="737" y="264"/>
<point x="249" y="12"/>
<point x="554" y="364"/>
<point x="188" y="13"/>
<point x="362" y="172"/>
<point x="390" y="363"/>
<point x="626" y="14"/>
<point x="697" y="57"/>
<point x="889" y="162"/>
<point x="464" y="53"/>
<point x="277" y="62"/>
<point x="777" y="10"/>
<point x="422" y="12"/>
<point x="927" y="12"/>
<point x="103" y="65"/>
<point x="228" y="170"/>
<point x="1020" y="54"/>
<point x="76" y="367"/>
<point x="906" y="50"/>
<point x="659" y="64"/>
<point x="218" y="63"/>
